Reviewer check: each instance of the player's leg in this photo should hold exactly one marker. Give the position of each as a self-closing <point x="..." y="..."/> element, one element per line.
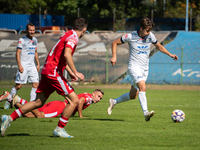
<point x="65" y="89"/>
<point x="143" y="100"/>
<point x="13" y="91"/>
<point x="33" y="91"/>
<point x="19" y="102"/>
<point x="67" y="112"/>
<point x="33" y="78"/>
<point x="6" y="120"/>
<point x="21" y="78"/>
<point x="123" y="98"/>
<point x="5" y="96"/>
<point x="28" y="115"/>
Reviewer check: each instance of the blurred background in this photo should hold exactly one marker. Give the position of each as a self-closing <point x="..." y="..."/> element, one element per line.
<point x="177" y="25"/>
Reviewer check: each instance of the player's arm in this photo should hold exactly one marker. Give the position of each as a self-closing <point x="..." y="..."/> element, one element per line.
<point x="71" y="74"/>
<point x="80" y="106"/>
<point x="165" y="51"/>
<point x="21" y="69"/>
<point x="113" y="60"/>
<point x="70" y="62"/>
<point x="37" y="60"/>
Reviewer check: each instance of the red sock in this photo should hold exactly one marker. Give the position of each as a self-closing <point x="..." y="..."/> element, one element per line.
<point x="22" y="101"/>
<point x="16" y="114"/>
<point x="62" y="121"/>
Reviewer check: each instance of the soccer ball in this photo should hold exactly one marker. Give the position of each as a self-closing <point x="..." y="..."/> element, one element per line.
<point x="178" y="116"/>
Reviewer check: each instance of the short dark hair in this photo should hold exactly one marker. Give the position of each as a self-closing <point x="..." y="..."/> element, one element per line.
<point x="80" y="23"/>
<point x="98" y="90"/>
<point x="146" y="23"/>
<point x="29" y="24"/>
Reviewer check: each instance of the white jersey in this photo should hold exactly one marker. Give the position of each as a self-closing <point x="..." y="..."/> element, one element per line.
<point x="28" y="48"/>
<point x="139" y="49"/>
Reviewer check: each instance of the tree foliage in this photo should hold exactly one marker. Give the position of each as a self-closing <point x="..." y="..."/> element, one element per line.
<point x="94" y="10"/>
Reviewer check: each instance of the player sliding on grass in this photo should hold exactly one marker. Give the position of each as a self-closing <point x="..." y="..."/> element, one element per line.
<point x="55" y="108"/>
<point x="138" y="65"/>
<point x="52" y="79"/>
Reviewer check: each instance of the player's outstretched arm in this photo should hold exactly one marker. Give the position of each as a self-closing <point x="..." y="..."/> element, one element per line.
<point x="113" y="60"/>
<point x="80" y="106"/>
<point x="71" y="74"/>
<point x="165" y="51"/>
<point x="70" y="62"/>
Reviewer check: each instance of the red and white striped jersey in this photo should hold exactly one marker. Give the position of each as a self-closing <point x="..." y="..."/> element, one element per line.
<point x="55" y="62"/>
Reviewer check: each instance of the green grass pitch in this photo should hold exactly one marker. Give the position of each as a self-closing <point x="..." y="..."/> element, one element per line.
<point x="124" y="129"/>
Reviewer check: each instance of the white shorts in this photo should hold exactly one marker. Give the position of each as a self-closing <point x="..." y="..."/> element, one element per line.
<point x="137" y="74"/>
<point x="30" y="74"/>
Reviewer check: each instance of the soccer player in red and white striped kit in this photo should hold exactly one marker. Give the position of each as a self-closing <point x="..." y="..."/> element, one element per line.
<point x="52" y="79"/>
<point x="55" y="108"/>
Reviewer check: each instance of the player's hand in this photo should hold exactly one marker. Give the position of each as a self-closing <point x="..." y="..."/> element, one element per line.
<point x="113" y="60"/>
<point x="38" y="68"/>
<point x="79" y="75"/>
<point x="73" y="77"/>
<point x="21" y="69"/>
<point x="82" y="117"/>
<point x="174" y="57"/>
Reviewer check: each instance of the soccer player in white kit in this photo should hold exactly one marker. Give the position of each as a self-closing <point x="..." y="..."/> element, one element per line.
<point x="138" y="64"/>
<point x="27" y="70"/>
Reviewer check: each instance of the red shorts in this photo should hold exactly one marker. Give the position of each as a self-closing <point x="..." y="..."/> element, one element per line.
<point x="49" y="84"/>
<point x="52" y="109"/>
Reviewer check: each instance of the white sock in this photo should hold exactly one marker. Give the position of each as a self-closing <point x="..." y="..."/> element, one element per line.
<point x="123" y="98"/>
<point x="143" y="101"/>
<point x="13" y="91"/>
<point x="10" y="119"/>
<point x="33" y="94"/>
<point x="9" y="98"/>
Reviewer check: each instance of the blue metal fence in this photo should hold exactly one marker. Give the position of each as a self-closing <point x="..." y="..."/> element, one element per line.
<point x="19" y="21"/>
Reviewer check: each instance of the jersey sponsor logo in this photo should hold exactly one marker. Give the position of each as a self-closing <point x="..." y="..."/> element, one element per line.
<point x="140" y="52"/>
<point x="142" y="47"/>
<point x="30" y="53"/>
<point x="139" y="77"/>
<point x="32" y="48"/>
<point x="71" y="42"/>
<point x="20" y="42"/>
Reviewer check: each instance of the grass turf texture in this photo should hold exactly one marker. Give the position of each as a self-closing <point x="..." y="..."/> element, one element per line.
<point x="124" y="129"/>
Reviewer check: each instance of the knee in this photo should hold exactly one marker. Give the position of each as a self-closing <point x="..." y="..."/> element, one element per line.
<point x="18" y="86"/>
<point x="74" y="103"/>
<point x="35" y="85"/>
<point x="38" y="104"/>
<point x="142" y="88"/>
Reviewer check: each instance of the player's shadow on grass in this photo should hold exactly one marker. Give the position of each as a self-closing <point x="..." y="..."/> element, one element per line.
<point x="99" y="119"/>
<point x="19" y="134"/>
<point x="1" y="108"/>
